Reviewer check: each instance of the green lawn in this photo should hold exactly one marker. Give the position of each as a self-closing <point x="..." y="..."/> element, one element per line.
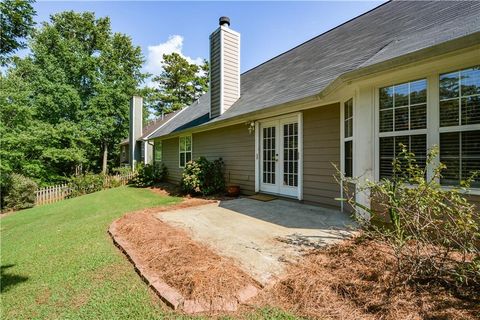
<point x="58" y="262"/>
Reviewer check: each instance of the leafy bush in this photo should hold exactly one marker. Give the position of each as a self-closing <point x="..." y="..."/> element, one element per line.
<point x="434" y="233"/>
<point x="203" y="177"/>
<point x="148" y="175"/>
<point x="19" y="192"/>
<point x="85" y="184"/>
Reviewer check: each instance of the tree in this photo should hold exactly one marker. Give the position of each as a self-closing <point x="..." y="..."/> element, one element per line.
<point x="66" y="105"/>
<point x="16" y="23"/>
<point x="42" y="151"/>
<point x="179" y="84"/>
<point x="87" y="75"/>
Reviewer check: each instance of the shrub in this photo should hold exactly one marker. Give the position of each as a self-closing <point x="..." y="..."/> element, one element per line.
<point x="148" y="175"/>
<point x="203" y="177"/>
<point x="85" y="184"/>
<point x="434" y="233"/>
<point x="19" y="192"/>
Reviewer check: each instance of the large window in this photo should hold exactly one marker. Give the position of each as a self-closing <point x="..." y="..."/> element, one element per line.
<point x="158" y="151"/>
<point x="348" y="138"/>
<point x="403" y="121"/>
<point x="185" y="150"/>
<point x="460" y="125"/>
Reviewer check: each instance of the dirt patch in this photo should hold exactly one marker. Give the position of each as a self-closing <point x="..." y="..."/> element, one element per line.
<point x="199" y="274"/>
<point x="354" y="281"/>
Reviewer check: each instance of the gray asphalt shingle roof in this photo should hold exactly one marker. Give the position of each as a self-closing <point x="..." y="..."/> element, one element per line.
<point x="386" y="32"/>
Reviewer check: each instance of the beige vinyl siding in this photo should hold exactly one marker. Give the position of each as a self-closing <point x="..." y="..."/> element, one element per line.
<point x="321" y="148"/>
<point x="236" y="146"/>
<point x="215" y="74"/>
<point x="170" y="159"/>
<point x="231" y="74"/>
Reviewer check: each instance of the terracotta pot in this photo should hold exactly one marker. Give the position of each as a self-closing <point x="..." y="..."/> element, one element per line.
<point x="233" y="191"/>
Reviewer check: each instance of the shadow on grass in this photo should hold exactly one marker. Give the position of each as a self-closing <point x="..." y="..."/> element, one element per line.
<point x="8" y="280"/>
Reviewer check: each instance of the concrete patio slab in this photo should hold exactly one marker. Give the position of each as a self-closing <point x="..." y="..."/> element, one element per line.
<point x="262" y="236"/>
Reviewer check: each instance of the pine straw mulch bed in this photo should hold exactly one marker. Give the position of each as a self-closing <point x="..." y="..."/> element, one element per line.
<point x="353" y="280"/>
<point x="192" y="268"/>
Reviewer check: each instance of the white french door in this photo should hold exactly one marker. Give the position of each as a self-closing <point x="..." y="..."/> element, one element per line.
<point x="280" y="156"/>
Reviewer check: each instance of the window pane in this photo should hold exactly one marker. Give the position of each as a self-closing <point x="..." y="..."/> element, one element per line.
<point x="471" y="156"/>
<point x="471" y="110"/>
<point x="386" y="120"/>
<point x="182" y="159"/>
<point x="188" y="143"/>
<point x="386" y="156"/>
<point x="401" y="119"/>
<point x="348" y="158"/>
<point x="418" y="92"/>
<point x="348" y="109"/>
<point x="405" y="116"/>
<point x="182" y="143"/>
<point x="418" y="146"/>
<point x="470" y="81"/>
<point x="386" y="97"/>
<point x="449" y="85"/>
<point x="450" y="157"/>
<point x="418" y="117"/>
<point x="449" y="113"/>
<point x="348" y="128"/>
<point x="401" y="95"/>
<point x="188" y="156"/>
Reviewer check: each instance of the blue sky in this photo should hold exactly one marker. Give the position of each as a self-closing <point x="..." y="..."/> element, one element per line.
<point x="267" y="28"/>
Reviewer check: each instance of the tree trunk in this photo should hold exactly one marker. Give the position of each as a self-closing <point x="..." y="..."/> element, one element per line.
<point x="105" y="157"/>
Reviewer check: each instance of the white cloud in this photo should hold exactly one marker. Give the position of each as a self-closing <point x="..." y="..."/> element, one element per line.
<point x="174" y="43"/>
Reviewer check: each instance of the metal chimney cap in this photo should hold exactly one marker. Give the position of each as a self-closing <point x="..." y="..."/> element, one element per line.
<point x="224" y="20"/>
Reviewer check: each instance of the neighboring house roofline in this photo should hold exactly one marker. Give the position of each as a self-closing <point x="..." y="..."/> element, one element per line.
<point x="163" y="124"/>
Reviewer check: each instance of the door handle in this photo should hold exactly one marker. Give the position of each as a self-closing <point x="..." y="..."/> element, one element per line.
<point x="276" y="157"/>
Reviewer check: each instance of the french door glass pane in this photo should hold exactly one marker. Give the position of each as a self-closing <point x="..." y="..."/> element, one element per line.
<point x="268" y="145"/>
<point x="290" y="154"/>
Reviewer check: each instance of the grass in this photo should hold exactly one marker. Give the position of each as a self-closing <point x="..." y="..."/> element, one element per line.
<point x="58" y="262"/>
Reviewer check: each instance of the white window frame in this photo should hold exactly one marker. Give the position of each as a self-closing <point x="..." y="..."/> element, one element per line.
<point x="433" y="129"/>
<point x="409" y="132"/>
<point x="343" y="140"/>
<point x="185" y="152"/>
<point x="157" y="144"/>
<point x="458" y="128"/>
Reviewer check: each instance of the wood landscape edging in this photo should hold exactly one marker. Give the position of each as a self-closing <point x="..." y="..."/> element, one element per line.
<point x="172" y="297"/>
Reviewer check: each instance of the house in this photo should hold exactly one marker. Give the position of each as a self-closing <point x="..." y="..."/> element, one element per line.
<point x="137" y="146"/>
<point x="403" y="72"/>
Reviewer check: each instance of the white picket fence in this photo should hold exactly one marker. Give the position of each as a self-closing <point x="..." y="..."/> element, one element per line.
<point x="60" y="192"/>
<point x="52" y="194"/>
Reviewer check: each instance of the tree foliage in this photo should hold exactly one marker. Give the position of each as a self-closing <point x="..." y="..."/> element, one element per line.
<point x="65" y="107"/>
<point x="179" y="84"/>
<point x="16" y="23"/>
